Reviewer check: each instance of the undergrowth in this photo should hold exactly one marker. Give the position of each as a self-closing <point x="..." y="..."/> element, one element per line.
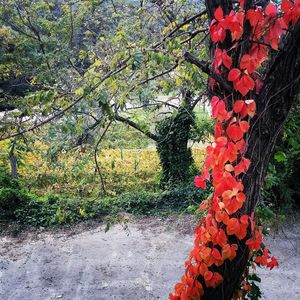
<point x="24" y="208"/>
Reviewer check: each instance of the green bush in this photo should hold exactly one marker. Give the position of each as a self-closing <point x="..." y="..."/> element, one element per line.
<point x="10" y="200"/>
<point x="282" y="188"/>
<point x="11" y="195"/>
<point x="18" y="205"/>
<point x="182" y="196"/>
<point x="6" y="181"/>
<point x="55" y="210"/>
<point x="140" y="203"/>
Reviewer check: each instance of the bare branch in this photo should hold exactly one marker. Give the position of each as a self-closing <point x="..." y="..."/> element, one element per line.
<point x="136" y="126"/>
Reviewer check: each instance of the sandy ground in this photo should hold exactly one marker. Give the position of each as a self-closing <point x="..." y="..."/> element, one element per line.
<point x="143" y="262"/>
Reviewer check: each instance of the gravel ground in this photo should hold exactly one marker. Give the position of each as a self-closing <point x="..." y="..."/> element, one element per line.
<point x="142" y="262"/>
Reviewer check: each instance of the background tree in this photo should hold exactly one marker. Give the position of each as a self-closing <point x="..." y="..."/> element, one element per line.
<point x="114" y="63"/>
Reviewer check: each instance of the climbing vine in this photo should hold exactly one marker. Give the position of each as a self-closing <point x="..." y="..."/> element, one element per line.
<point x="172" y="146"/>
<point x="218" y="236"/>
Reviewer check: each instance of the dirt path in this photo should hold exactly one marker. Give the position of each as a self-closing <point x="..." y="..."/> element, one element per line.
<point x="141" y="263"/>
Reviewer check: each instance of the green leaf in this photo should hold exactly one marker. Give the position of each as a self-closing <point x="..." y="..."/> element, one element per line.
<point x="280" y="156"/>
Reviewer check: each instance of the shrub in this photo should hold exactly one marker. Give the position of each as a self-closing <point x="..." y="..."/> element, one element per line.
<point x="282" y="188"/>
<point x="11" y="195"/>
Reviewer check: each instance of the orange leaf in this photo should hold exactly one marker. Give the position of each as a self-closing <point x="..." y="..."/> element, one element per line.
<point x="233" y="226"/>
<point x="251" y="107"/>
<point x="208" y="275"/>
<point x="216" y="254"/>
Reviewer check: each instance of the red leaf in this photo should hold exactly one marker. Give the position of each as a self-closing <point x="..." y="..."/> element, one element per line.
<point x="248" y="63"/>
<point x="208" y="275"/>
<point x="216" y="254"/>
<point x="219" y="110"/>
<point x="254" y="16"/>
<point x="245" y="84"/>
<point x="286" y="5"/>
<point x="218" y="130"/>
<point x="219" y="15"/>
<point x="235" y="132"/>
<point x="199" y="182"/>
<point x="242" y="166"/>
<point x="271" y="10"/>
<point x="229" y="251"/>
<point x="221" y="57"/>
<point x="214" y="101"/>
<point x="244" y="126"/>
<point x="244" y="219"/>
<point x="218" y="58"/>
<point x="221" y="141"/>
<point x="217" y="32"/>
<point x="238" y="106"/>
<point x="234" y="74"/>
<point x="242" y="3"/>
<point x="227" y="61"/>
<point x="273" y="263"/>
<point x="221" y="238"/>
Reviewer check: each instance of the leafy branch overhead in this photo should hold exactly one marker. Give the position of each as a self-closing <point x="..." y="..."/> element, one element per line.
<point x="88" y="50"/>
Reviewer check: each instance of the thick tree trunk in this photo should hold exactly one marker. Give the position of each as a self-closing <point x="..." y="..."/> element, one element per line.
<point x="280" y="88"/>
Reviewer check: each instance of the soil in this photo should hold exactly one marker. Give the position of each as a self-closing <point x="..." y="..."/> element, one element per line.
<point x="142" y="261"/>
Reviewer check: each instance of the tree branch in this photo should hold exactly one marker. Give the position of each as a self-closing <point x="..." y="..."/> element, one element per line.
<point x="187" y="21"/>
<point x="136" y="126"/>
<point x="72" y="104"/>
<point x="204" y="67"/>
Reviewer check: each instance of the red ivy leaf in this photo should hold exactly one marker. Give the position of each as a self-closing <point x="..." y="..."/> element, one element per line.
<point x="271" y="10"/>
<point x="235" y="132"/>
<point x="254" y="16"/>
<point x="234" y="74"/>
<point x="219" y="15"/>
<point x="242" y="3"/>
<point x="238" y="106"/>
<point x="245" y="84"/>
<point x="248" y="63"/>
<point x="199" y="182"/>
<point x="244" y="126"/>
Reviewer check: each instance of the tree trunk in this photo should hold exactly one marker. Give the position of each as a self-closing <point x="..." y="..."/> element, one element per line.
<point x="171" y="139"/>
<point x="13" y="163"/>
<point x="278" y="93"/>
<point x="172" y="146"/>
